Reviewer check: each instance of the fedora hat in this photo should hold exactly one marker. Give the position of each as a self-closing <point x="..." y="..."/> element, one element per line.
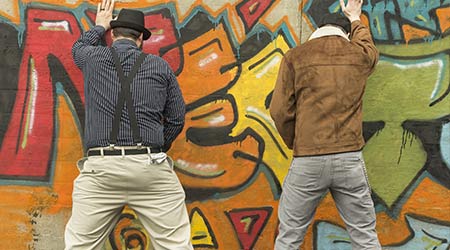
<point x="133" y="19"/>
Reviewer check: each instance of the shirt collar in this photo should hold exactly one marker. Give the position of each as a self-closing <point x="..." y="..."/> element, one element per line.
<point x="328" y="31"/>
<point x="124" y="44"/>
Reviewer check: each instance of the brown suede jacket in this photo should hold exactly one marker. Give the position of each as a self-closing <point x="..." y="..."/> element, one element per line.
<point x="317" y="100"/>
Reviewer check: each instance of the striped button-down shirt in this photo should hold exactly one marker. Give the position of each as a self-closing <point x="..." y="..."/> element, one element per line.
<point x="159" y="105"/>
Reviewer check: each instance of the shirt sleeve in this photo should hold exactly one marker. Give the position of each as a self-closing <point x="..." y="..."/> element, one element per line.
<point x="82" y="48"/>
<point x="361" y="37"/>
<point x="283" y="104"/>
<point x="174" y="111"/>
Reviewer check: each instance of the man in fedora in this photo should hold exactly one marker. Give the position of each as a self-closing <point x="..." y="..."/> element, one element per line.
<point x="134" y="111"/>
<point x="317" y="109"/>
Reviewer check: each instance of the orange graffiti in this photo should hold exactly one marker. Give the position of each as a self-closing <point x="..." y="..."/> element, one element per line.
<point x="69" y="150"/>
<point x="256" y="195"/>
<point x="205" y="62"/>
<point x="443" y="15"/>
<point x="412" y="33"/>
<point x="220" y="166"/>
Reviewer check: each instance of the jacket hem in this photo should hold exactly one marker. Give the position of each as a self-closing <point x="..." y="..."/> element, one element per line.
<point x="327" y="151"/>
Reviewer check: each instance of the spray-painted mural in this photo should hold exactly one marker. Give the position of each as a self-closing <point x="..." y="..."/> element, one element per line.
<point x="229" y="156"/>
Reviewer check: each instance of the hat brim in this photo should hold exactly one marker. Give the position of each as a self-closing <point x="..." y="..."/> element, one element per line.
<point x="146" y="32"/>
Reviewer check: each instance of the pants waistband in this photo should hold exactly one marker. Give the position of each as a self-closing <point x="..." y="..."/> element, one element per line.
<point x="125" y="150"/>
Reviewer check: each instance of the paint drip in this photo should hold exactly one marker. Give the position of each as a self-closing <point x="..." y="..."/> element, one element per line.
<point x="406" y="135"/>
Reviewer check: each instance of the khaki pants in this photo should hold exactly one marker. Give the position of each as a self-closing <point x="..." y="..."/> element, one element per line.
<point x="107" y="183"/>
<point x="308" y="179"/>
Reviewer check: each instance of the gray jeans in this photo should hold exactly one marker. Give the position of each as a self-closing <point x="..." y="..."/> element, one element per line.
<point x="308" y="179"/>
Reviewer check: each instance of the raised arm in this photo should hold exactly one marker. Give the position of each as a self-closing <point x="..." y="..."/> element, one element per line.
<point x="82" y="48"/>
<point x="360" y="34"/>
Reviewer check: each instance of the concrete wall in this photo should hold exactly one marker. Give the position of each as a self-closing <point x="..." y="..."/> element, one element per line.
<point x="229" y="157"/>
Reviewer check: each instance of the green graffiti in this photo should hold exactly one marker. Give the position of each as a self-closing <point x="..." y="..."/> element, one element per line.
<point x="402" y="90"/>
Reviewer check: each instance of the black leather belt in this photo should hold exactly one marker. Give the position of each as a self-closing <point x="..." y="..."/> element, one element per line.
<point x="94" y="152"/>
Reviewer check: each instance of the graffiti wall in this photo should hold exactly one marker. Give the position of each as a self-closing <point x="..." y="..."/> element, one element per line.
<point x="229" y="157"/>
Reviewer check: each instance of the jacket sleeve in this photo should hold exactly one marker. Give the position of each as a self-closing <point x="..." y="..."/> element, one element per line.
<point x="82" y="48"/>
<point x="283" y="104"/>
<point x="361" y="37"/>
<point x="174" y="111"/>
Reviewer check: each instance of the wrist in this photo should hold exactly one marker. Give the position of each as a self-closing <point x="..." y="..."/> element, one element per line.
<point x="106" y="27"/>
<point x="99" y="29"/>
<point x="103" y="23"/>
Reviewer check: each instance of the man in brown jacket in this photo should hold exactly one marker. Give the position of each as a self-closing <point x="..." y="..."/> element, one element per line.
<point x="317" y="109"/>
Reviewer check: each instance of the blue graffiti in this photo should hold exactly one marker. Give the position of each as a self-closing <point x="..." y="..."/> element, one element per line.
<point x="424" y="234"/>
<point x="387" y="17"/>
<point x="330" y="236"/>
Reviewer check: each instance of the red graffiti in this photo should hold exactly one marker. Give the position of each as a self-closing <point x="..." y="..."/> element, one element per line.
<point x="251" y="11"/>
<point x="27" y="148"/>
<point x="249" y="223"/>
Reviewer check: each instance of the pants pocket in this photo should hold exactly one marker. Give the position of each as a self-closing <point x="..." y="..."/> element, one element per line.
<point x="80" y="163"/>
<point x="170" y="161"/>
<point x="356" y="175"/>
<point x="84" y="166"/>
<point x="305" y="172"/>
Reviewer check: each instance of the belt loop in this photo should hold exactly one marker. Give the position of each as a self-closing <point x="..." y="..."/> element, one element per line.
<point x="101" y="152"/>
<point x="123" y="152"/>
<point x="150" y="161"/>
<point x="111" y="146"/>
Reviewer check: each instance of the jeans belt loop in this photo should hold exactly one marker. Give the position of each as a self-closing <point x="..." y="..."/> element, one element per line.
<point x="101" y="152"/>
<point x="123" y="152"/>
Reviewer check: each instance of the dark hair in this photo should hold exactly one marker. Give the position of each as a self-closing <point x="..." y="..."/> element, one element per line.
<point x="126" y="32"/>
<point x="336" y="19"/>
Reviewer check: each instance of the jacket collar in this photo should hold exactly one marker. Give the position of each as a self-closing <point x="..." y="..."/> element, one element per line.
<point x="328" y="31"/>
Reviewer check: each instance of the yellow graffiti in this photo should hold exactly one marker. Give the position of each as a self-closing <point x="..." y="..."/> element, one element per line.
<point x="247" y="221"/>
<point x="254" y="85"/>
<point x="199" y="231"/>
